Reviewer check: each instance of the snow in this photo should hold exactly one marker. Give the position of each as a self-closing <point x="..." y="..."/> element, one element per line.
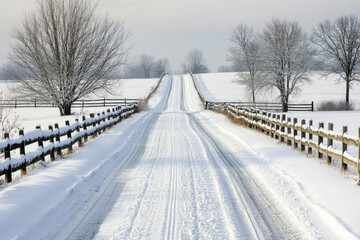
<point x="180" y="169"/>
<point x="222" y="87"/>
<point x="122" y="88"/>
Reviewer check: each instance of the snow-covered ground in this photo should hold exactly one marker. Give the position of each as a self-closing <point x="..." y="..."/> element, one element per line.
<point x="223" y="87"/>
<point x="179" y="172"/>
<point x="29" y="118"/>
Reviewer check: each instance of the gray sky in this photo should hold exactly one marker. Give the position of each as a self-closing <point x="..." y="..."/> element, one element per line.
<point x="170" y="28"/>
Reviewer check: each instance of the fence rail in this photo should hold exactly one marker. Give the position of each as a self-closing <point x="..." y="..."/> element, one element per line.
<point x="77" y="132"/>
<point x="300" y="135"/>
<point x="82" y="103"/>
<point x="272" y="107"/>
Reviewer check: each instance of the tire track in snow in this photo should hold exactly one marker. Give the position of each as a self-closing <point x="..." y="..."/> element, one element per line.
<point x="171" y="213"/>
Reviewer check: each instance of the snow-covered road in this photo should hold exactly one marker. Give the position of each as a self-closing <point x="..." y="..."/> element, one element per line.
<point x="172" y="172"/>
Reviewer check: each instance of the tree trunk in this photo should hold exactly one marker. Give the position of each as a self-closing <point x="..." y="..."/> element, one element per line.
<point x="65" y="109"/>
<point x="347" y="97"/>
<point x="253" y="94"/>
<point x="284" y="104"/>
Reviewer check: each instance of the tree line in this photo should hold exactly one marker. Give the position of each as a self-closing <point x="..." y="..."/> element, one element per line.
<point x="282" y="55"/>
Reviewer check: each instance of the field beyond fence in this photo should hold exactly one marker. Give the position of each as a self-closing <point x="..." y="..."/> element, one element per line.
<point x="82" y="103"/>
<point x="54" y="139"/>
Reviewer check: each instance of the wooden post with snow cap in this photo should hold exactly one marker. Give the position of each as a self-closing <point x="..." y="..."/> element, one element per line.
<point x="282" y="128"/>
<point x="343" y="148"/>
<point x="8" y="174"/>
<point x="41" y="145"/>
<point x="78" y="130"/>
<point x="22" y="152"/>
<point x="85" y="128"/>
<point x="302" y="135"/>
<point x="310" y="137"/>
<point x="92" y="115"/>
<point x="68" y="134"/>
<point x="320" y="140"/>
<point x="329" y="142"/>
<point x="277" y="127"/>
<point x="52" y="153"/>
<point x="295" y="132"/>
<point x="57" y="138"/>
<point x="288" y="131"/>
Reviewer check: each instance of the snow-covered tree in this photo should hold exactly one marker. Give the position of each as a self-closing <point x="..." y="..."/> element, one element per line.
<point x="286" y="54"/>
<point x="195" y="62"/>
<point x="245" y="56"/>
<point x="339" y="45"/>
<point x="67" y="51"/>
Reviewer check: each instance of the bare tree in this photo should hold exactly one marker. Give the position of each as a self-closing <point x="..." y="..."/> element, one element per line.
<point x="68" y="51"/>
<point x="245" y="55"/>
<point x="286" y="56"/>
<point x="339" y="45"/>
<point x="195" y="62"/>
<point x="160" y="66"/>
<point x="225" y="68"/>
<point x="145" y="65"/>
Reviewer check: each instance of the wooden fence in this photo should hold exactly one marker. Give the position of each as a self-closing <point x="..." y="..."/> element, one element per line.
<point x="83" y="103"/>
<point x="273" y="107"/>
<point x="301" y="135"/>
<point x="50" y="143"/>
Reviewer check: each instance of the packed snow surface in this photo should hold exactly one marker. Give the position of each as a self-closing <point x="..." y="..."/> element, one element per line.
<point x="176" y="171"/>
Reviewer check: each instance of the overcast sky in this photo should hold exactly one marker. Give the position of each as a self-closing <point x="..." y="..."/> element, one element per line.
<point x="170" y="28"/>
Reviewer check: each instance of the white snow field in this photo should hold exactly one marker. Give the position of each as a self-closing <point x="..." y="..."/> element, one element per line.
<point x="222" y="87"/>
<point x="29" y="118"/>
<point x="177" y="171"/>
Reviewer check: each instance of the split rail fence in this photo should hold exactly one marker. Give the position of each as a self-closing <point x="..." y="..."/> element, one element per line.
<point x="304" y="137"/>
<point x="82" y="103"/>
<point x="50" y="141"/>
<point x="301" y="135"/>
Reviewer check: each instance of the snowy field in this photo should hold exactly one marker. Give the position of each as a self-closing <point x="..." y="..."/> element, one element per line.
<point x="222" y="87"/>
<point x="176" y="171"/>
<point x="29" y="118"/>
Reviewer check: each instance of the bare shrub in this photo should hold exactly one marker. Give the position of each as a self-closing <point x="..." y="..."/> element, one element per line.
<point x="335" y="106"/>
<point x="142" y="104"/>
<point x="8" y="121"/>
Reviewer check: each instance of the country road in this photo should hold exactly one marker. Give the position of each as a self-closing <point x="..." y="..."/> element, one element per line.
<point x="180" y="175"/>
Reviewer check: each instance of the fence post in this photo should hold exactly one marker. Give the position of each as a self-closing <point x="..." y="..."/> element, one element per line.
<point x="104" y="102"/>
<point x="22" y="151"/>
<point x="282" y="128"/>
<point x="85" y="128"/>
<point x="312" y="106"/>
<point x="273" y="133"/>
<point x="52" y="153"/>
<point x="57" y="138"/>
<point x="295" y="132"/>
<point x="15" y="103"/>
<point x="343" y="149"/>
<point x="78" y="130"/>
<point x="94" y="123"/>
<point x="35" y="103"/>
<point x="277" y="127"/>
<point x="320" y="139"/>
<point x="310" y="136"/>
<point x="329" y="142"/>
<point x="302" y="135"/>
<point x="288" y="131"/>
<point x="41" y="145"/>
<point x="68" y="133"/>
<point x="8" y="174"/>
